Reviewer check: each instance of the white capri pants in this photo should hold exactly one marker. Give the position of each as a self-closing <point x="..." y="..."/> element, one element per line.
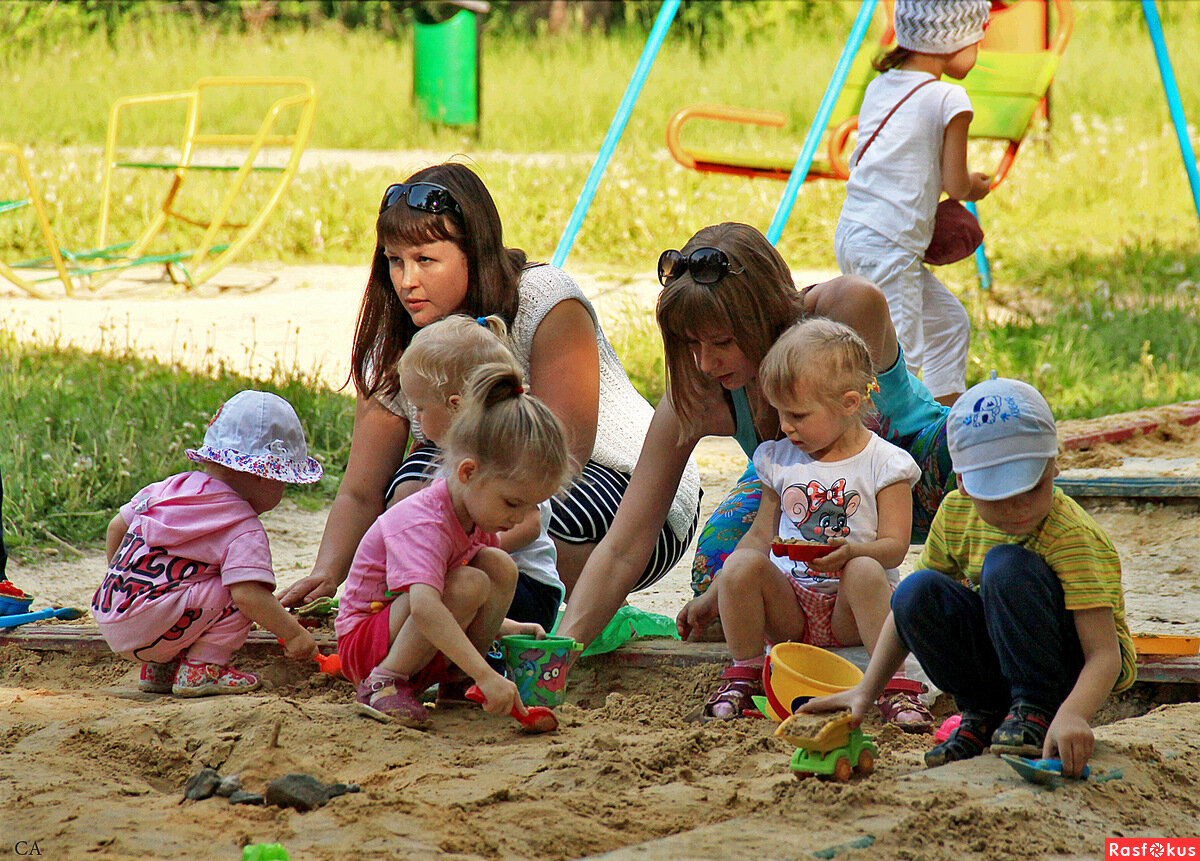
<point x="931" y="324"/>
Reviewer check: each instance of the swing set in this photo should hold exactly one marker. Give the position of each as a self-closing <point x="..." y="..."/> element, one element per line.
<point x="169" y="237"/>
<point x="1006" y="89"/>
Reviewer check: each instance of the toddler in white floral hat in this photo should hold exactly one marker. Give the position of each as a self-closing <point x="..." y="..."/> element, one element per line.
<point x="189" y="566"/>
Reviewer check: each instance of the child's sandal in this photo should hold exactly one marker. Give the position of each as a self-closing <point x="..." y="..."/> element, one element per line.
<point x="901" y="706"/>
<point x="735" y="694"/>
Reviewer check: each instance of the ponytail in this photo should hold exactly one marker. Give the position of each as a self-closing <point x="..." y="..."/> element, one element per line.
<point x="509" y="432"/>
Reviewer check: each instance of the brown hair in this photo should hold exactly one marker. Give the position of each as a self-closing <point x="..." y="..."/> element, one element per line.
<point x="891" y="59"/>
<point x="511" y="434"/>
<point x="822" y="356"/>
<point x="384" y="329"/>
<point x="755" y="302"/>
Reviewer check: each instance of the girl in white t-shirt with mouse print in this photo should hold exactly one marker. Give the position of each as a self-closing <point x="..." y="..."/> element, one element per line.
<point x="830" y="480"/>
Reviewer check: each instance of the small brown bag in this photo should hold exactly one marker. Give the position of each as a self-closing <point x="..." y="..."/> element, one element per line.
<point x="956" y="232"/>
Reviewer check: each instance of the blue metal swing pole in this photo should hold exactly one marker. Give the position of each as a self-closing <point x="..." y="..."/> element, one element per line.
<point x="657" y="34"/>
<point x="982" y="265"/>
<point x="804" y="161"/>
<point x="1174" y="103"/>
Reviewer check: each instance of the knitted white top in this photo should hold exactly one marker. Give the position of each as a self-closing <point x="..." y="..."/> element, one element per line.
<point x="624" y="415"/>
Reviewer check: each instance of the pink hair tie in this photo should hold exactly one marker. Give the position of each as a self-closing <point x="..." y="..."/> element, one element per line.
<point x="520" y="390"/>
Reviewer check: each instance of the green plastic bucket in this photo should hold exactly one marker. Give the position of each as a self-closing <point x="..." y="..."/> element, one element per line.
<point x="446" y="68"/>
<point x="539" y="667"/>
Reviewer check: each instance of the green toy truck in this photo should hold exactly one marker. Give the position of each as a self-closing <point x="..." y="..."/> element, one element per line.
<point x="826" y="746"/>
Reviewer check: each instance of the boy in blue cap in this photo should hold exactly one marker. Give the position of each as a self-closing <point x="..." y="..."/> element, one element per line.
<point x="1017" y="608"/>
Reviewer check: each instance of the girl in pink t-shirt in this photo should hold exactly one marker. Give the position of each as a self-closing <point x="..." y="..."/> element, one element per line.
<point x="189" y="568"/>
<point x="429" y="584"/>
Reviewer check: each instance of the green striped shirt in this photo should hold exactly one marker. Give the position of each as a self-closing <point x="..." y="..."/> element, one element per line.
<point x="1071" y="542"/>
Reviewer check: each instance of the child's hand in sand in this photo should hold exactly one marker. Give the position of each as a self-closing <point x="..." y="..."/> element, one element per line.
<point x="528" y="629"/>
<point x="1070" y="739"/>
<point x="854" y="699"/>
<point x="300" y="646"/>
<point x="501" y="695"/>
<point x="697" y="613"/>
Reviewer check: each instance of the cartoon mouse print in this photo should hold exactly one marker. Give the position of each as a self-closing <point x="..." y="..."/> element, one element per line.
<point x="820" y="513"/>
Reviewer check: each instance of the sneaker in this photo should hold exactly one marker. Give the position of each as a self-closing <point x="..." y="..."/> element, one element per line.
<point x="158" y="678"/>
<point x="198" y="679"/>
<point x="901" y="706"/>
<point x="393" y="699"/>
<point x="970" y="739"/>
<point x="1023" y="731"/>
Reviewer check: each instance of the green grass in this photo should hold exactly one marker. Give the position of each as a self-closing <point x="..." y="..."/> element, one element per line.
<point x="84" y="431"/>
<point x="1093" y="237"/>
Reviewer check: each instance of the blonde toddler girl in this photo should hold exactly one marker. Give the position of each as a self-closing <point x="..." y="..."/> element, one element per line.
<point x="433" y="376"/>
<point x="429" y="586"/>
<point x="830" y="480"/>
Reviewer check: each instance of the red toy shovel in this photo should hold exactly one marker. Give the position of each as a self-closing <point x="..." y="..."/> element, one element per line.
<point x="331" y="665"/>
<point x="538" y="719"/>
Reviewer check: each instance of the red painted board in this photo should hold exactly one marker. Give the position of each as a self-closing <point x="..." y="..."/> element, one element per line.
<point x="1135" y="424"/>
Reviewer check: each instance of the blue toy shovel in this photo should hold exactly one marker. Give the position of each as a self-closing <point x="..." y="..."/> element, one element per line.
<point x="39" y="615"/>
<point x="1045" y="772"/>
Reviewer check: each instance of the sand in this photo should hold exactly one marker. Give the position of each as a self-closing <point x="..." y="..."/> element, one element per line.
<point x="90" y="768"/>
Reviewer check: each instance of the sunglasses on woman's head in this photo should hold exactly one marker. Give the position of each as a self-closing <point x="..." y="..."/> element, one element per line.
<point x="425" y="196"/>
<point x="706" y="265"/>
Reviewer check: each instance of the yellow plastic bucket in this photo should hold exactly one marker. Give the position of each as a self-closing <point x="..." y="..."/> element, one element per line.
<point x="794" y="672"/>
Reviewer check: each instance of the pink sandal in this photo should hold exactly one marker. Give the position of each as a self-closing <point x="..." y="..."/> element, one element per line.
<point x="735" y="694"/>
<point x="901" y="706"/>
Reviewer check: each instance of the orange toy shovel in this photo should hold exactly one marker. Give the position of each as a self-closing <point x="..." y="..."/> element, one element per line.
<point x="538" y="718"/>
<point x="331" y="665"/>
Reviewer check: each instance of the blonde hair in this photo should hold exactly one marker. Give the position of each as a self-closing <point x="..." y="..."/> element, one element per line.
<point x="445" y="353"/>
<point x="823" y="356"/>
<point x="754" y="303"/>
<point x="511" y="434"/>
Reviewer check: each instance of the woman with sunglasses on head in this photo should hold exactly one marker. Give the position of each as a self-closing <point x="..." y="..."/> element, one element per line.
<point x="439" y="251"/>
<point x="727" y="296"/>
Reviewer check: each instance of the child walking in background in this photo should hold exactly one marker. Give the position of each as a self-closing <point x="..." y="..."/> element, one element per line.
<point x="1018" y="609"/>
<point x="896" y="179"/>
<point x="189" y="566"/>
<point x="429" y="585"/>
<point x="433" y="376"/>
<point x="831" y="481"/>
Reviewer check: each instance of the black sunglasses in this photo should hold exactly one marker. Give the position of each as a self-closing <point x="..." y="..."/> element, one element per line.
<point x="425" y="196"/>
<point x="706" y="265"/>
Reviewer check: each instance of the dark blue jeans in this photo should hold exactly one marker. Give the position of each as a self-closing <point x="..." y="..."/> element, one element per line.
<point x="1013" y="639"/>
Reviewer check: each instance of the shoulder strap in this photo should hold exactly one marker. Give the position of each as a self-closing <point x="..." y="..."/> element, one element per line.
<point x="878" y="128"/>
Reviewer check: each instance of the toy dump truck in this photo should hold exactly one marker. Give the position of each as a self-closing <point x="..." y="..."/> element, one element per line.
<point x="826" y="746"/>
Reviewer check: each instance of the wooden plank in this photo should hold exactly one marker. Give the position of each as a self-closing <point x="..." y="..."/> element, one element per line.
<point x="1123" y="426"/>
<point x="86" y="638"/>
<point x="649" y="652"/>
<point x="1156" y="486"/>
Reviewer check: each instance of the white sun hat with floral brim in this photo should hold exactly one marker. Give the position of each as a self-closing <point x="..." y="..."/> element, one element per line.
<point x="259" y="433"/>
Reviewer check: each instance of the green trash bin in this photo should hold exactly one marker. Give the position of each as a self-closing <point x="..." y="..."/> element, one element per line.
<point x="446" y="62"/>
